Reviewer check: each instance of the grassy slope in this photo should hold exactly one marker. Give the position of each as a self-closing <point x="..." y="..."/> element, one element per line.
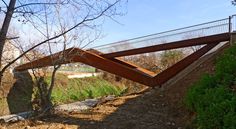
<point x="70" y="90"/>
<point x="213" y="97"/>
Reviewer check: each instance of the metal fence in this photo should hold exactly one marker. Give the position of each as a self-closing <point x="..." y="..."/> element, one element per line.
<point x="226" y="25"/>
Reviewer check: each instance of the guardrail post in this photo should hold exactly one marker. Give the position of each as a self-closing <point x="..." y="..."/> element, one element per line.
<point x="232" y="38"/>
<point x="232" y="34"/>
<point x="230" y="24"/>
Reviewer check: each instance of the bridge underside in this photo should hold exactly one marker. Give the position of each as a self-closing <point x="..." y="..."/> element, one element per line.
<point x="111" y="62"/>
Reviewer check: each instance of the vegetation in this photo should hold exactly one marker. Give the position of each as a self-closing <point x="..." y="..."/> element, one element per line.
<point x="51" y="13"/>
<point x="69" y="90"/>
<point x="213" y="97"/>
<point x="170" y="57"/>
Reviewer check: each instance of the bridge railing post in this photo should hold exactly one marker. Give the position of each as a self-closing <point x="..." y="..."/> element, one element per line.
<point x="232" y="25"/>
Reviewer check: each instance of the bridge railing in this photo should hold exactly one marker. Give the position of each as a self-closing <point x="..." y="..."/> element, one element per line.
<point x="226" y="25"/>
<point x="232" y="21"/>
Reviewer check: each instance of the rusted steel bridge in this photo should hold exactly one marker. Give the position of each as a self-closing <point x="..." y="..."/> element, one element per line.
<point x="107" y="57"/>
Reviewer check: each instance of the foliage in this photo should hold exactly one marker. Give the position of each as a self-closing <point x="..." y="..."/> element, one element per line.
<point x="212" y="97"/>
<point x="170" y="57"/>
<point x="149" y="61"/>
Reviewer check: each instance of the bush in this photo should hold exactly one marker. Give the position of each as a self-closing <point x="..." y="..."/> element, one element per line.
<point x="211" y="97"/>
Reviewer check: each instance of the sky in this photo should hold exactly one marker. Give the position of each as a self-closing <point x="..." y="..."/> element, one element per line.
<point x="145" y="17"/>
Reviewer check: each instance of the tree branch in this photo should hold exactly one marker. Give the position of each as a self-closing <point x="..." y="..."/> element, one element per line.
<point x="86" y="19"/>
<point x="5" y="3"/>
<point x="40" y="3"/>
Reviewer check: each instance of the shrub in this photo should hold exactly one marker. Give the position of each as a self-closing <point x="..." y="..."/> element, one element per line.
<point x="211" y="97"/>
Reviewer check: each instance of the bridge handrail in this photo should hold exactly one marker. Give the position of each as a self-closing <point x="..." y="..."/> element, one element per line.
<point x="120" y="43"/>
<point x="208" y="27"/>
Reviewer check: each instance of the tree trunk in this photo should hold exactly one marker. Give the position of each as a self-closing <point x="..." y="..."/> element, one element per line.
<point x="45" y="101"/>
<point x="4" y="30"/>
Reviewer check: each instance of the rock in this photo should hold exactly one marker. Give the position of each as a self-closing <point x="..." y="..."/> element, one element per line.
<point x="15" y="117"/>
<point x="173" y="123"/>
<point x="110" y="97"/>
<point x="78" y="106"/>
<point x="92" y="122"/>
<point x="83" y="105"/>
<point x="168" y="123"/>
<point x="90" y="102"/>
<point x="27" y="127"/>
<point x="40" y="122"/>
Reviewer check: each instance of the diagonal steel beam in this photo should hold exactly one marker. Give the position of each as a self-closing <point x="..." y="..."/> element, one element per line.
<point x="170" y="72"/>
<point x="172" y="45"/>
<point x="112" y="67"/>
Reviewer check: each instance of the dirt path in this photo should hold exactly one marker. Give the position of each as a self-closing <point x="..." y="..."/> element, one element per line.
<point x="154" y="109"/>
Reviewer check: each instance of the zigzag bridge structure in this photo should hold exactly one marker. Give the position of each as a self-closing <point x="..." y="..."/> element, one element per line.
<point x="108" y="57"/>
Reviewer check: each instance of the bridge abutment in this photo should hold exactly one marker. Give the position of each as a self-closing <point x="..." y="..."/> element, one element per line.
<point x="233" y="38"/>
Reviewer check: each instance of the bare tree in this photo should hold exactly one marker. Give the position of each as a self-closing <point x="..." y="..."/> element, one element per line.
<point x="31" y="12"/>
<point x="170" y="57"/>
<point x="57" y="25"/>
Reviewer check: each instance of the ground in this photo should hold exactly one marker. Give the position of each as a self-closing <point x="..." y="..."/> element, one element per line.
<point x="154" y="109"/>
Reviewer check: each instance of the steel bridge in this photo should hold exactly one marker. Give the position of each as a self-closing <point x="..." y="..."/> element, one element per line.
<point x="107" y="57"/>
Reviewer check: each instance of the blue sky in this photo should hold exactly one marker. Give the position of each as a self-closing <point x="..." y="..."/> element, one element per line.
<point x="151" y="16"/>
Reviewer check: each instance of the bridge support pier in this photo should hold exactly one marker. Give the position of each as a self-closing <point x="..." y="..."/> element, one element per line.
<point x="232" y="38"/>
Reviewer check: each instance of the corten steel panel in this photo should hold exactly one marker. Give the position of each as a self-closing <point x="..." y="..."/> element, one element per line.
<point x="113" y="67"/>
<point x="171" y="45"/>
<point x="179" y="66"/>
<point x="131" y="65"/>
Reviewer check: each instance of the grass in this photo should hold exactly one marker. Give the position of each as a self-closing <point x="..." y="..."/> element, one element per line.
<point x="70" y="90"/>
<point x="212" y="98"/>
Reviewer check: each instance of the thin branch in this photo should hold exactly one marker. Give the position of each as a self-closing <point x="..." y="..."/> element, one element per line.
<point x="39" y="3"/>
<point x="5" y="3"/>
<point x="86" y="19"/>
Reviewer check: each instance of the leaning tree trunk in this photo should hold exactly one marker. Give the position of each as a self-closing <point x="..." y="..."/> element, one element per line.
<point x="4" y="30"/>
